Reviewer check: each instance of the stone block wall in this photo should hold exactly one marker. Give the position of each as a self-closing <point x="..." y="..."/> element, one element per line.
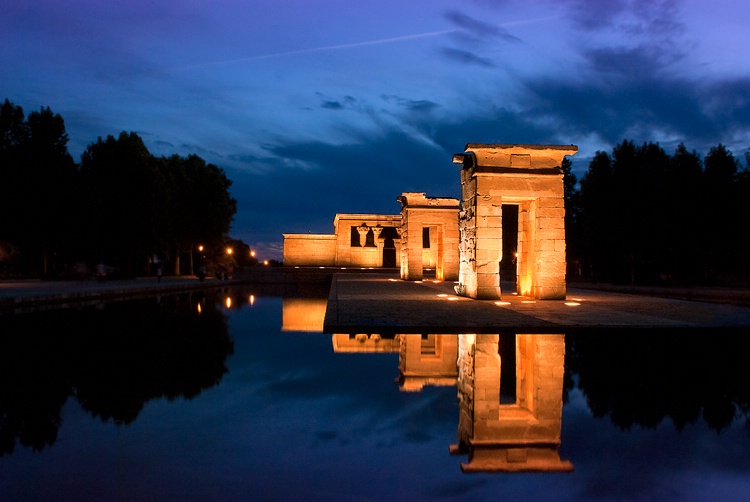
<point x="309" y="250"/>
<point x="524" y="436"/>
<point x="529" y="176"/>
<point x="440" y="216"/>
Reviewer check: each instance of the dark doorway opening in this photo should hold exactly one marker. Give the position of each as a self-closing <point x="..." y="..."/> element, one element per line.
<point x="510" y="247"/>
<point x="389" y="246"/>
<point x="506" y="347"/>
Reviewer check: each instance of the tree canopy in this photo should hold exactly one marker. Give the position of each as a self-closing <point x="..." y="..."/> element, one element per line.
<point x="121" y="206"/>
<point x="644" y="217"/>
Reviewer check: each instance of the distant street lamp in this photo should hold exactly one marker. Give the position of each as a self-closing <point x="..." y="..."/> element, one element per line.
<point x="252" y="253"/>
<point x="230" y="251"/>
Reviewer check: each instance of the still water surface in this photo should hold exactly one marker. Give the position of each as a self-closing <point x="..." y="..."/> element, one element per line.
<point x="156" y="400"/>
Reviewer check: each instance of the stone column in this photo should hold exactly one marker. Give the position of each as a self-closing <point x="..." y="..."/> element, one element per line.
<point x="362" y="230"/>
<point x="379" y="243"/>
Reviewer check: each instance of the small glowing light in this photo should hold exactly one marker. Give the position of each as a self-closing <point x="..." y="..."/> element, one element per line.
<point x="393" y="280"/>
<point x="200" y="248"/>
<point x="500" y="304"/>
<point x="296" y="267"/>
<point x="343" y="268"/>
<point x="265" y="262"/>
<point x="228" y="302"/>
<point x="443" y="295"/>
<point x="230" y="250"/>
<point x="200" y="310"/>
<point x="572" y="304"/>
<point x="528" y="301"/>
<point x="452" y="298"/>
<point x="436" y="281"/>
<point x="318" y="267"/>
<point x="514" y="293"/>
<point x="577" y="299"/>
<point x="252" y="254"/>
<point x="251" y="300"/>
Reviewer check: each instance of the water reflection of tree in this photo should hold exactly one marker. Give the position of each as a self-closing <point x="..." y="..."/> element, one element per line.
<point x="113" y="360"/>
<point x="643" y="377"/>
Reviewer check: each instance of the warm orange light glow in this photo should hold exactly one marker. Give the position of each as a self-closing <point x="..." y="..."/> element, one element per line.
<point x="452" y="298"/>
<point x="230" y="250"/>
<point x="528" y="301"/>
<point x="500" y="304"/>
<point x="252" y="254"/>
<point x="572" y="304"/>
<point x="200" y="310"/>
<point x="200" y="248"/>
<point x="228" y="302"/>
<point x="393" y="280"/>
<point x="525" y="284"/>
<point x="251" y="300"/>
<point x="443" y="295"/>
<point x="265" y="262"/>
<point x="436" y="281"/>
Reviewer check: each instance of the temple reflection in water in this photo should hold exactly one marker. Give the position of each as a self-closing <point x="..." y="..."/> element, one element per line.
<point x="510" y="387"/>
<point x="500" y="429"/>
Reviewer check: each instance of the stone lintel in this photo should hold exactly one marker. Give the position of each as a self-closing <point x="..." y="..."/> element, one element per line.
<point x="420" y="200"/>
<point x="369" y="219"/>
<point x="514" y="156"/>
<point x="310" y="236"/>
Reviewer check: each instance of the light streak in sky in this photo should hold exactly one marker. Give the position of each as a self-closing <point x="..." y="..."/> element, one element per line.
<point x="368" y="43"/>
<point x="354" y="45"/>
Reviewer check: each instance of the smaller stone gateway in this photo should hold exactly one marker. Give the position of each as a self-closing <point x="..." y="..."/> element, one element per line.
<point x="429" y="236"/>
<point x="531" y="178"/>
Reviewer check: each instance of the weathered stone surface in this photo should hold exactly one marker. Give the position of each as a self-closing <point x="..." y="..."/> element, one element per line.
<point x="529" y="176"/>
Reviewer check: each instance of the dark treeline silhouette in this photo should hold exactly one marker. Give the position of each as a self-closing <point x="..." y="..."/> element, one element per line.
<point x="644" y="377"/>
<point x="115" y="360"/>
<point x="120" y="206"/>
<point x="642" y="216"/>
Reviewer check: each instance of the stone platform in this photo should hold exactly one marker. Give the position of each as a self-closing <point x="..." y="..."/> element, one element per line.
<point x="386" y="305"/>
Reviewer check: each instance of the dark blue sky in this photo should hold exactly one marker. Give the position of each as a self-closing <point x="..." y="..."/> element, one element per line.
<point x="315" y="107"/>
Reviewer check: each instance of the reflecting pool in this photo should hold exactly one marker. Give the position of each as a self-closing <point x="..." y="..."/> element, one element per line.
<point x="230" y="395"/>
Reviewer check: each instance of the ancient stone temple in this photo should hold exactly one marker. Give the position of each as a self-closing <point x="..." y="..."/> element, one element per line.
<point x="429" y="236"/>
<point x="359" y="240"/>
<point x="521" y="434"/>
<point x="529" y="177"/>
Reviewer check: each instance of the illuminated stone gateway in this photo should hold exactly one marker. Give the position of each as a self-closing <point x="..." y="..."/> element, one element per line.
<point x="531" y="178"/>
<point x="463" y="241"/>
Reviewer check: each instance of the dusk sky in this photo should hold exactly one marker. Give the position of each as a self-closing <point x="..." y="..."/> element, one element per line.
<point x="315" y="107"/>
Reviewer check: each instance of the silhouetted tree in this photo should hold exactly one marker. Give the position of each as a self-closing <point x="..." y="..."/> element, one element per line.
<point x="681" y="214"/>
<point x="200" y="208"/>
<point x="596" y="218"/>
<point x="38" y="177"/>
<point x="721" y="227"/>
<point x="127" y="201"/>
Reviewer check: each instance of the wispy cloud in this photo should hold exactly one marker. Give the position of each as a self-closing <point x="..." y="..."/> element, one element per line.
<point x="354" y="45"/>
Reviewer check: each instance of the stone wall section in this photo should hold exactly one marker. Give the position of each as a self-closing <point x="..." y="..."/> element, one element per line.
<point x="524" y="436"/>
<point x="440" y="216"/>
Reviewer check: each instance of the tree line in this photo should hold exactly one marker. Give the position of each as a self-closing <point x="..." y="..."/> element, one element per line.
<point x="643" y="216"/>
<point x="120" y="206"/>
